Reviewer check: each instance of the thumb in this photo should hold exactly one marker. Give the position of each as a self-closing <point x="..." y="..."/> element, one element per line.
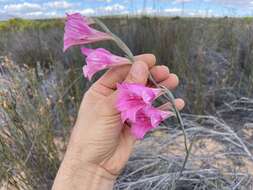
<point x="138" y="73"/>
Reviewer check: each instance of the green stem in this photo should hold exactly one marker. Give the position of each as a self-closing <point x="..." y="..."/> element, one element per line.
<point x="116" y="39"/>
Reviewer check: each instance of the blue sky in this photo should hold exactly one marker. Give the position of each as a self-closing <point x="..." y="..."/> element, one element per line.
<point x="57" y="8"/>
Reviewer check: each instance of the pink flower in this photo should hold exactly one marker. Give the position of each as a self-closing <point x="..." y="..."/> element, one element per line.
<point x="135" y="104"/>
<point x="133" y="97"/>
<point x="147" y="118"/>
<point x="78" y="17"/>
<point x="99" y="59"/>
<point x="77" y="31"/>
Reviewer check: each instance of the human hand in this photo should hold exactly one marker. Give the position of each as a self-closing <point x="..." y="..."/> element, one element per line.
<point x="100" y="145"/>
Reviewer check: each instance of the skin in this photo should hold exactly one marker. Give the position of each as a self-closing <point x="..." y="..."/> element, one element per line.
<point x="100" y="145"/>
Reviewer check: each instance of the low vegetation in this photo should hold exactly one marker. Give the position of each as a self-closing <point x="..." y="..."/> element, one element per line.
<point x="41" y="88"/>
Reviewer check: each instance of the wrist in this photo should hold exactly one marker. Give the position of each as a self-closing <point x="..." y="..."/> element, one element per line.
<point x="98" y="178"/>
<point x="75" y="175"/>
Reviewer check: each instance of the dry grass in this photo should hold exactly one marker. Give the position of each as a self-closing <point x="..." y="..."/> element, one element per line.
<point x="207" y="53"/>
<point x="219" y="159"/>
<point x="36" y="121"/>
<point x="35" y="124"/>
<point x="40" y="92"/>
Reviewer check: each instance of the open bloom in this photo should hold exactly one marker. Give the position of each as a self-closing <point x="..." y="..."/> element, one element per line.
<point x="133" y="97"/>
<point x="99" y="59"/>
<point x="78" y="31"/>
<point x="135" y="104"/>
<point x="147" y="118"/>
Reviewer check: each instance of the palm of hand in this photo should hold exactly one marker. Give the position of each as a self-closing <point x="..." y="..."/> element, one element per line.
<point x="109" y="142"/>
<point x="99" y="136"/>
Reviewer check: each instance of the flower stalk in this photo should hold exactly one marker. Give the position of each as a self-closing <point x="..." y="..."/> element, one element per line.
<point x="167" y="93"/>
<point x="143" y="116"/>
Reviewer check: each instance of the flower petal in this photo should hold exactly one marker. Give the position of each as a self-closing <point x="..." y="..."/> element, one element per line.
<point x="78" y="31"/>
<point x="99" y="59"/>
<point x="135" y="104"/>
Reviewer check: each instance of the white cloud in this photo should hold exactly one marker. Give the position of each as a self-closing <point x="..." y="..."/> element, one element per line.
<point x="197" y="13"/>
<point x="57" y="8"/>
<point x="147" y="10"/>
<point x="34" y="8"/>
<point x="20" y="7"/>
<point x="173" y="10"/>
<point x="60" y="5"/>
<point x="52" y="14"/>
<point x="187" y="12"/>
<point x="87" y="11"/>
<point x="41" y="14"/>
<point x="107" y="1"/>
<point x="182" y="1"/>
<point x="233" y="2"/>
<point x="114" y="7"/>
<point x="44" y="10"/>
<point x="35" y="14"/>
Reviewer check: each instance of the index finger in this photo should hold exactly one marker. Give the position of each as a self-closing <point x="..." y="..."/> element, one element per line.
<point x="118" y="74"/>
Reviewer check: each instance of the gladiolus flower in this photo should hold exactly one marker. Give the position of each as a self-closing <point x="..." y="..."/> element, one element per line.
<point x="78" y="31"/>
<point x="133" y="97"/>
<point x="135" y="104"/>
<point x="99" y="59"/>
<point x="77" y="17"/>
<point x="147" y="118"/>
